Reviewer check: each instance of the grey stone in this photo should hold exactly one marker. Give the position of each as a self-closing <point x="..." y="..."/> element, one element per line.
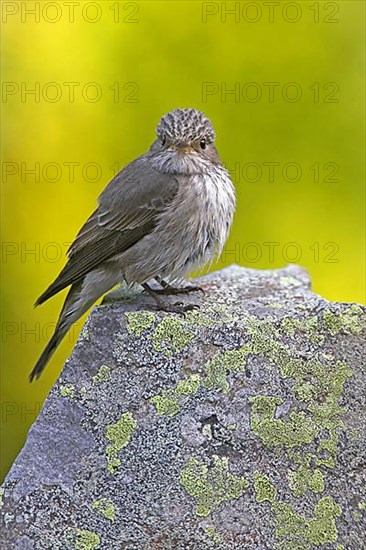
<point x="236" y="426"/>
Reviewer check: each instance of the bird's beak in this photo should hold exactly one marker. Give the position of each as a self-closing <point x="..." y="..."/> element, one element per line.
<point x="181" y="147"/>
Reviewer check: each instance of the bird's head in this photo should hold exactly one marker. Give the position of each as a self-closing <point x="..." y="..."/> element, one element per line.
<point x="185" y="142"/>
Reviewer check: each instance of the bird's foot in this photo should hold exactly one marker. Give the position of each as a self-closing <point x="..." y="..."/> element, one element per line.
<point x="162" y="305"/>
<point x="169" y="289"/>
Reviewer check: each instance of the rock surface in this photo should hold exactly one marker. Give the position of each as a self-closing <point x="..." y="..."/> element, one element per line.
<point x="237" y="426"/>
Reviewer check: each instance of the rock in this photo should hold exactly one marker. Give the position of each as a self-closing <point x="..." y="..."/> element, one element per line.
<point x="236" y="426"/>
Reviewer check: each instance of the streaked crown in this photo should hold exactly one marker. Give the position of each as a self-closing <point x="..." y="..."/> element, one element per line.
<point x="185" y="125"/>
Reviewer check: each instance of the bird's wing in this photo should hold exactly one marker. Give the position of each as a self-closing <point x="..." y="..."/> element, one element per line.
<point x="128" y="210"/>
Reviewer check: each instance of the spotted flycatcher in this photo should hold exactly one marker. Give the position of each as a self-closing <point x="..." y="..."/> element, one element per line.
<point x="165" y="214"/>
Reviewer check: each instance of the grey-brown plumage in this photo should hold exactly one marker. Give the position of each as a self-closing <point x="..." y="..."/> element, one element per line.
<point x="165" y="213"/>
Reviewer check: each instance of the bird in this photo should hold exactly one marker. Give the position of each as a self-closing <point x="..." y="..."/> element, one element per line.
<point x="166" y="213"/>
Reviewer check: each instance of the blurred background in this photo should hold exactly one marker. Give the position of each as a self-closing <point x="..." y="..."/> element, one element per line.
<point x="83" y="89"/>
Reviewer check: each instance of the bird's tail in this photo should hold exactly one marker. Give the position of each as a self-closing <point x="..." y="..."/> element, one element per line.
<point x="49" y="350"/>
<point x="80" y="298"/>
<point x="72" y="310"/>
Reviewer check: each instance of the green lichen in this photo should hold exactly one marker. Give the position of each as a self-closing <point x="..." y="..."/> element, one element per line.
<point x="322" y="395"/>
<point x="139" y="321"/>
<point x="304" y="478"/>
<point x="189" y="385"/>
<point x="68" y="390"/>
<point x="322" y="528"/>
<point x="106" y="508"/>
<point x="290" y="527"/>
<point x="296" y="531"/>
<point x="210" y="532"/>
<point x="103" y="375"/>
<point x="198" y="319"/>
<point x="231" y="427"/>
<point x="171" y="336"/>
<point x="327" y="462"/>
<point x="264" y="340"/>
<point x="290" y="325"/>
<point x="120" y="434"/>
<point x="222" y="314"/>
<point x="83" y="539"/>
<point x="352" y="320"/>
<point x="310" y="327"/>
<point x="221" y="364"/>
<point x="211" y="486"/>
<point x="298" y="430"/>
<point x="327" y="378"/>
<point x="264" y="490"/>
<point x="319" y="385"/>
<point x="168" y="402"/>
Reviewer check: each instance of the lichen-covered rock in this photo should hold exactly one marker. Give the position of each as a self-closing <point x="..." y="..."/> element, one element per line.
<point x="236" y="426"/>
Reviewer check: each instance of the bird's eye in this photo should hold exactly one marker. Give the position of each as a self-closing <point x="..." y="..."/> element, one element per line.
<point x="163" y="140"/>
<point x="203" y="143"/>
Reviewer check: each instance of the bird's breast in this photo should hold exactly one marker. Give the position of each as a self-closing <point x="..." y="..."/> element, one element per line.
<point x="196" y="225"/>
<point x="215" y="206"/>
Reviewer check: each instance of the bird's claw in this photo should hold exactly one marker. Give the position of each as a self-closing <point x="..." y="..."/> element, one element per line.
<point x="171" y="290"/>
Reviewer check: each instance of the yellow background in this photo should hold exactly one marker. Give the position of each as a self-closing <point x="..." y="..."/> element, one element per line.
<point x="168" y="54"/>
